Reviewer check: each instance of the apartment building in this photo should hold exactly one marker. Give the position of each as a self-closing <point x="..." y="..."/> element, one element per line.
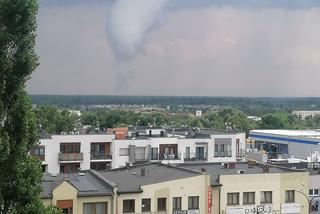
<point x="71" y="153"/>
<point x="82" y="193"/>
<point x="178" y="146"/>
<point x="250" y="188"/>
<point x="145" y="188"/>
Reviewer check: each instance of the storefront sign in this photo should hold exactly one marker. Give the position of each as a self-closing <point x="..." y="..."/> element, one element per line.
<point x="290" y="208"/>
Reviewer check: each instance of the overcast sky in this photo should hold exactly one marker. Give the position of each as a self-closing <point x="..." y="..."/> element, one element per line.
<point x="178" y="47"/>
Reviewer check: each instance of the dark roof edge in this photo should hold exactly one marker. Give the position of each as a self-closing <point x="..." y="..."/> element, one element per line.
<point x="104" y="180"/>
<point x="128" y="192"/>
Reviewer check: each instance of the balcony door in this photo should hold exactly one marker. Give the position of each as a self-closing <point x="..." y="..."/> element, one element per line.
<point x="200" y="153"/>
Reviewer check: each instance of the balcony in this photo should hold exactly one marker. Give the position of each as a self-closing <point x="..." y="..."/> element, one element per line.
<point x="223" y="154"/>
<point x="169" y="156"/>
<point x="195" y="157"/>
<point x="101" y="156"/>
<point x="71" y="157"/>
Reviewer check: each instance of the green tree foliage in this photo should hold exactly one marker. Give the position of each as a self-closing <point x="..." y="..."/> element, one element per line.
<point x="55" y="121"/>
<point x="275" y="121"/>
<point x="20" y="177"/>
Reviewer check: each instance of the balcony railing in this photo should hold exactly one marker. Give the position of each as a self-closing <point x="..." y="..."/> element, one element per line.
<point x="195" y="157"/>
<point x="70" y="156"/>
<point x="223" y="154"/>
<point x="100" y="156"/>
<point x="175" y="156"/>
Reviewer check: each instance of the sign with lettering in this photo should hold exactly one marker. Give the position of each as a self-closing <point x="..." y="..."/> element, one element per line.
<point x="260" y="209"/>
<point x="290" y="208"/>
<point x="209" y="199"/>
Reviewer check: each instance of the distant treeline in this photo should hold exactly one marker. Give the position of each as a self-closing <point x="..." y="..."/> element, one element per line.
<point x="270" y="102"/>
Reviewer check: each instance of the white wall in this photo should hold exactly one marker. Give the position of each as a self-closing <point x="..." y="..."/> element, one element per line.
<point x="52" y="148"/>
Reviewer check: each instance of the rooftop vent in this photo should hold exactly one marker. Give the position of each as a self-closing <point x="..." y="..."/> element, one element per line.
<point x="203" y="170"/>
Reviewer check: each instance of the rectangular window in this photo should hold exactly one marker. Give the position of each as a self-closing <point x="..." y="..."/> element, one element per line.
<point x="162" y="204"/>
<point x="95" y="208"/>
<point x="146" y="205"/>
<point x="176" y="203"/>
<point x="316" y="192"/>
<point x="128" y="206"/>
<point x="266" y="197"/>
<point x="193" y="203"/>
<point x="289" y="196"/>
<point x="248" y="198"/>
<point x="123" y="151"/>
<point x="310" y="192"/>
<point x="233" y="198"/>
<point x="216" y="150"/>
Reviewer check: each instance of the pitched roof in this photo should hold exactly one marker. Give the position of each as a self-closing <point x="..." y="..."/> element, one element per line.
<point x="86" y="183"/>
<point x="130" y="180"/>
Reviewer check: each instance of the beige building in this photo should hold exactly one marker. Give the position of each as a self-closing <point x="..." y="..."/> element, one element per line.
<point x="242" y="188"/>
<point x="145" y="188"/>
<point x="77" y="193"/>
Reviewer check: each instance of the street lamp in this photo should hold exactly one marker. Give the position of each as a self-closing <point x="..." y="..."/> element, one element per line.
<point x="308" y="200"/>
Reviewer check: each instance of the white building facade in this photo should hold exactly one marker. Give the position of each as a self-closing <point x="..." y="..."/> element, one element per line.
<point x="216" y="148"/>
<point x="70" y="153"/>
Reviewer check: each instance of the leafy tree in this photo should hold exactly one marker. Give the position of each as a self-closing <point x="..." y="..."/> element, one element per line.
<point x="20" y="176"/>
<point x="275" y="121"/>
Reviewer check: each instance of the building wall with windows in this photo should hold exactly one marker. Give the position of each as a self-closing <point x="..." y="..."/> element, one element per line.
<point x="54" y="159"/>
<point x="65" y="197"/>
<point x="261" y="185"/>
<point x="186" y="188"/>
<point x="173" y="150"/>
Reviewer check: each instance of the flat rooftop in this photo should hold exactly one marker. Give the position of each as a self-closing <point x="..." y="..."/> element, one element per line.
<point x="216" y="169"/>
<point x="288" y="133"/>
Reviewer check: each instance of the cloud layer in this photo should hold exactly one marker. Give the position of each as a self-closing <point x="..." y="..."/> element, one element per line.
<point x="203" y="49"/>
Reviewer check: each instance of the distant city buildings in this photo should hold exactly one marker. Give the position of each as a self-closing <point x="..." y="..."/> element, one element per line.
<point x="304" y="114"/>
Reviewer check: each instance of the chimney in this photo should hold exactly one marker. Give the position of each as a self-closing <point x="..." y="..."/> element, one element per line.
<point x="143" y="172"/>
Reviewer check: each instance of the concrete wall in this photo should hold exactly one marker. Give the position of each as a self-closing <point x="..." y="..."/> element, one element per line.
<point x="193" y="186"/>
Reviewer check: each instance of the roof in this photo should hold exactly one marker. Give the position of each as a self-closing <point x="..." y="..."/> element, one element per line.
<point x="86" y="183"/>
<point x="130" y="180"/>
<point x="290" y="133"/>
<point x="215" y="169"/>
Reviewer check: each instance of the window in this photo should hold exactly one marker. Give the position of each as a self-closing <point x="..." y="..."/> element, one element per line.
<point x="233" y="198"/>
<point x="222" y="148"/>
<point x="146" y="205"/>
<point x="128" y="206"/>
<point x="176" y="203"/>
<point x="123" y="151"/>
<point x="266" y="197"/>
<point x="289" y="196"/>
<point x="70" y="147"/>
<point x="248" y="198"/>
<point x="313" y="192"/>
<point x="162" y="204"/>
<point x="310" y="192"/>
<point x="193" y="203"/>
<point x="216" y="150"/>
<point x="95" y="208"/>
